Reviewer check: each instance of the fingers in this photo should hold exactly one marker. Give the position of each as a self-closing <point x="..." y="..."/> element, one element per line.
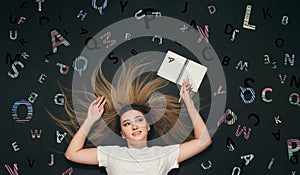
<point x="186" y="86"/>
<point x="99" y="101"/>
<point x="189" y="87"/>
<point x="94" y="102"/>
<point x="183" y="86"/>
<point x="185" y="90"/>
<point x="102" y="104"/>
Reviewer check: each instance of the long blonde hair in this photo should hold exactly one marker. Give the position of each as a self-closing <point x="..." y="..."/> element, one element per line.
<point x="131" y="87"/>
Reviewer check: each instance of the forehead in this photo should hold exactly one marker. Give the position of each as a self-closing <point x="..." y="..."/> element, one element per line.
<point x="131" y="114"/>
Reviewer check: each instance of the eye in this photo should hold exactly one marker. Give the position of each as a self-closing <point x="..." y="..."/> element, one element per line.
<point x="126" y="124"/>
<point x="140" y="120"/>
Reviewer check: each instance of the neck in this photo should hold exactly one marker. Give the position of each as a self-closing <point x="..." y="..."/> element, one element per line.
<point x="137" y="144"/>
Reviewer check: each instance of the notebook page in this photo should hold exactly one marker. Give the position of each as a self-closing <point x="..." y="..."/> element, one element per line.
<point x="171" y="66"/>
<point x="195" y="72"/>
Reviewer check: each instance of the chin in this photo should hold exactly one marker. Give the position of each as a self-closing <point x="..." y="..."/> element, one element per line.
<point x="138" y="139"/>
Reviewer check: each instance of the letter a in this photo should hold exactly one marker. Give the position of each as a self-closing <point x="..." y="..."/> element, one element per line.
<point x="55" y="35"/>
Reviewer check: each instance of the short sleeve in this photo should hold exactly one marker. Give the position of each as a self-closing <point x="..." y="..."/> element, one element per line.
<point x="103" y="153"/>
<point x="172" y="157"/>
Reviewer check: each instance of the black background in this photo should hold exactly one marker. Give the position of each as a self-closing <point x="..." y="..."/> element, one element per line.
<point x="249" y="45"/>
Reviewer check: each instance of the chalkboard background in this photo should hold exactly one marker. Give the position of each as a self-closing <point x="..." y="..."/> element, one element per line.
<point x="275" y="35"/>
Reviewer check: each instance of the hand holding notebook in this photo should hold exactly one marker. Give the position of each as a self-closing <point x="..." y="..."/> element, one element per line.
<point x="176" y="68"/>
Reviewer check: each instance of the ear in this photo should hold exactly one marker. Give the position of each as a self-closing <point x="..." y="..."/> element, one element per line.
<point x="148" y="127"/>
<point x="122" y="135"/>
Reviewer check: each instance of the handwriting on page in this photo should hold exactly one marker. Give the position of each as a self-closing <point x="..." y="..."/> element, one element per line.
<point x="171" y="59"/>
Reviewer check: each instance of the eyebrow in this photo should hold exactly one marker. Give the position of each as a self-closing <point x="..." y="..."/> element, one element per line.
<point x="129" y="119"/>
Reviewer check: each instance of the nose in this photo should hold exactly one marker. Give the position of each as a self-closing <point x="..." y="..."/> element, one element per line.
<point x="134" y="126"/>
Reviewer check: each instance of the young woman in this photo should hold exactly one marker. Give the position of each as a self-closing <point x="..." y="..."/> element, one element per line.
<point x="137" y="157"/>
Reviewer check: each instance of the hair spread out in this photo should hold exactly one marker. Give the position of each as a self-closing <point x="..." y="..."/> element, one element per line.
<point x="130" y="86"/>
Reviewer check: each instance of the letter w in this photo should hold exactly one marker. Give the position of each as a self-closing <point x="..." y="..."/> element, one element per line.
<point x="244" y="130"/>
<point x="10" y="171"/>
<point x="36" y="133"/>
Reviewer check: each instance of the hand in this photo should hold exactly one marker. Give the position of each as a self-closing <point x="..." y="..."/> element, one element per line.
<point x="96" y="109"/>
<point x="185" y="92"/>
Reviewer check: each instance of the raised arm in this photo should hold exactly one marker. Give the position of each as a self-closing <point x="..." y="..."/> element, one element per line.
<point x="76" y="151"/>
<point x="202" y="138"/>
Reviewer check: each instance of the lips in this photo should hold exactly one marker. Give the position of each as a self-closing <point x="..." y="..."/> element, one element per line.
<point x="137" y="133"/>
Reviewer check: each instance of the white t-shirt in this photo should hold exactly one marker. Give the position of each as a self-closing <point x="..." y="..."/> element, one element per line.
<point x="155" y="160"/>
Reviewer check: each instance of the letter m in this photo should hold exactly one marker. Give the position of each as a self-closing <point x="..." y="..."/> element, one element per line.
<point x="105" y="39"/>
<point x="9" y="57"/>
<point x="242" y="65"/>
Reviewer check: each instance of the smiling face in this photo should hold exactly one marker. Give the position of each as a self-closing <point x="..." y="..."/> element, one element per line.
<point x="134" y="126"/>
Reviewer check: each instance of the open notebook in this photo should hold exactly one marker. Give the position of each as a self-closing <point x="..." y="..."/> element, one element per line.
<point x="176" y="68"/>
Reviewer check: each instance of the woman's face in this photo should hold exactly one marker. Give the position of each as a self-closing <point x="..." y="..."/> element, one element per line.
<point x="134" y="126"/>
